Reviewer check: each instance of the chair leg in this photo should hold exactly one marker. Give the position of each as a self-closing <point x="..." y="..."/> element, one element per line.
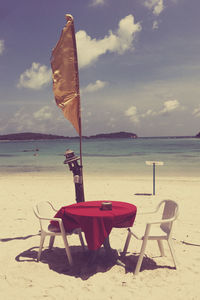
<point x="140" y="259"/>
<point x="142" y="251"/>
<point x="63" y="233"/>
<point x="42" y="238"/>
<point x="172" y="253"/>
<point x="160" y="245"/>
<point x="126" y="243"/>
<point x="51" y="241"/>
<point x="81" y="240"/>
<point x="67" y="250"/>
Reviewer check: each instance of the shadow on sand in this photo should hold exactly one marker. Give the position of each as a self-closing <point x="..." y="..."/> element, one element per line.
<point x="82" y="268"/>
<point x="18" y="238"/>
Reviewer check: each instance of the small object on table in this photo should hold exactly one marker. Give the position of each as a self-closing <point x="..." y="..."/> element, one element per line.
<point x="106" y="205"/>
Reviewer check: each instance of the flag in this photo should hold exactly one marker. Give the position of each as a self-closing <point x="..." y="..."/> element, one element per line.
<point x="64" y="64"/>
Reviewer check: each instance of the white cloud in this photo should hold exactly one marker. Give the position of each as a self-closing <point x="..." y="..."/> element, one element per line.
<point x="36" y="77"/>
<point x="156" y="6"/>
<point x="169" y="106"/>
<point x="93" y="87"/>
<point x="44" y="113"/>
<point x="132" y="113"/>
<point x="90" y="49"/>
<point x="196" y="112"/>
<point x="2" y="46"/>
<point x="97" y="2"/>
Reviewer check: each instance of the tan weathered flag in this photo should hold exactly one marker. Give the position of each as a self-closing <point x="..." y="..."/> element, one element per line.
<point x="64" y="66"/>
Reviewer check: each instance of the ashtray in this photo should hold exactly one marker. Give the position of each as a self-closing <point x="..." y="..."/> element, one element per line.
<point x="106" y="205"/>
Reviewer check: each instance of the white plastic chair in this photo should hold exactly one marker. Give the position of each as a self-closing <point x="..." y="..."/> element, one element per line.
<point x="160" y="229"/>
<point x="44" y="212"/>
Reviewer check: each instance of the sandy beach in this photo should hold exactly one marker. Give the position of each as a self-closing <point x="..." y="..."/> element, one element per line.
<point x="22" y="277"/>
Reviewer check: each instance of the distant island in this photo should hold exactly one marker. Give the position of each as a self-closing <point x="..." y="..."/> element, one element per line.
<point x="25" y="136"/>
<point x="30" y="136"/>
<point x="41" y="136"/>
<point x="114" y="135"/>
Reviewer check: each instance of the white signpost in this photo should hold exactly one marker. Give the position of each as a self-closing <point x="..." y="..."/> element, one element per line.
<point x="154" y="164"/>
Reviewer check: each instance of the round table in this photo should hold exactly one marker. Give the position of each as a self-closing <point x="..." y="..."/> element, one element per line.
<point x="95" y="222"/>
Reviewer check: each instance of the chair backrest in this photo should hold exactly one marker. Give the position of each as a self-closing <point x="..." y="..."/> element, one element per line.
<point x="44" y="210"/>
<point x="170" y="211"/>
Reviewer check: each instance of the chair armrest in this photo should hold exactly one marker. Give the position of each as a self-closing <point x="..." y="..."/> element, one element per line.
<point x="51" y="219"/>
<point x="162" y="221"/>
<point x="60" y="223"/>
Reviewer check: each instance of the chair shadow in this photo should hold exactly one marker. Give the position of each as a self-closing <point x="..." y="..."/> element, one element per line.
<point x="18" y="238"/>
<point x="130" y="261"/>
<point x="57" y="261"/>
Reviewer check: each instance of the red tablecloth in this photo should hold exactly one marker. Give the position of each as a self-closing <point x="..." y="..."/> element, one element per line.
<point x="94" y="222"/>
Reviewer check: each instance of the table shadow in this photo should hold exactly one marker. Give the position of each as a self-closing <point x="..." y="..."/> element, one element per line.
<point x="82" y="268"/>
<point x="57" y="261"/>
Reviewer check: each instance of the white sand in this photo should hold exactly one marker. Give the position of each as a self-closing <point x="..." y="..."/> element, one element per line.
<point x="21" y="277"/>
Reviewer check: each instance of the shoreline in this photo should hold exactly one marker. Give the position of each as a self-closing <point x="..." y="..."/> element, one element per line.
<point x="99" y="175"/>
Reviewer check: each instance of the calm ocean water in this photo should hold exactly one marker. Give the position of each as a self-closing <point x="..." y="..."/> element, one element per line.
<point x="181" y="157"/>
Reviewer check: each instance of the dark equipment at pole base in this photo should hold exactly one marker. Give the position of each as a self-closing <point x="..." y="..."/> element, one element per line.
<point x="72" y="161"/>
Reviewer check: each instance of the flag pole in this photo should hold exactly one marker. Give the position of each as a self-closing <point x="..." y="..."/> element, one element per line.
<point x="80" y="190"/>
<point x="81" y="187"/>
<point x="70" y="17"/>
<point x="80" y="143"/>
<point x="78" y="185"/>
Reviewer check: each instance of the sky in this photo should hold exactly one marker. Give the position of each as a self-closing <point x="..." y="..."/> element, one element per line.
<point x="139" y="66"/>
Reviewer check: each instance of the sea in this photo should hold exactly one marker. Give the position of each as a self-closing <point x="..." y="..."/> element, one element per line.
<point x="104" y="156"/>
